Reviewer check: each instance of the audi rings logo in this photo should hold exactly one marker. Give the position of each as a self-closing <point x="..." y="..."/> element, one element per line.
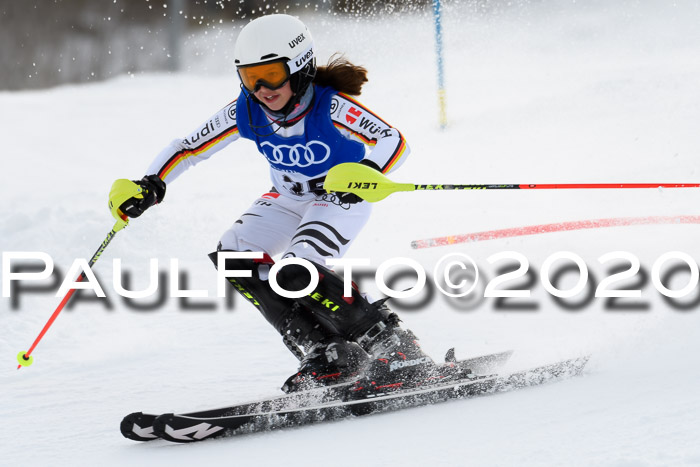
<point x="298" y="155"/>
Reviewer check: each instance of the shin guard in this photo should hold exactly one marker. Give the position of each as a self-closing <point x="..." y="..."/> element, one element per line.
<point x="350" y="316"/>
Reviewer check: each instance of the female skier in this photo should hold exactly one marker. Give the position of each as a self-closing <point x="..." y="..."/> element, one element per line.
<point x="304" y="122"/>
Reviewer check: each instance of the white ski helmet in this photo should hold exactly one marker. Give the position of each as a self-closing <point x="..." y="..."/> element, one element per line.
<point x="281" y="43"/>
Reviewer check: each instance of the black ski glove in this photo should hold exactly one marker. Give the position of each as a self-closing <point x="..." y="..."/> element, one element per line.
<point x="348" y="198"/>
<point x="153" y="193"/>
<point x="352" y="198"/>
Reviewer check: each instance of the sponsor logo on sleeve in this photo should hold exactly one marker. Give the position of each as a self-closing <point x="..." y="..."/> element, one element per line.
<point x="373" y="128"/>
<point x="352" y="115"/>
<point x="203" y="133"/>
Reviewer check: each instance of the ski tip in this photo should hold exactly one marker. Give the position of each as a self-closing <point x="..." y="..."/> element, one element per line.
<point x="138" y="426"/>
<point x="573" y="366"/>
<point x="450" y="356"/>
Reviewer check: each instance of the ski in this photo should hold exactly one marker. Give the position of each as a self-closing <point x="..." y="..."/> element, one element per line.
<point x="138" y="426"/>
<point x="189" y="428"/>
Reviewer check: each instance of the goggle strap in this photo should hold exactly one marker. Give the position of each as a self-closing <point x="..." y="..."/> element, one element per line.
<point x="301" y="60"/>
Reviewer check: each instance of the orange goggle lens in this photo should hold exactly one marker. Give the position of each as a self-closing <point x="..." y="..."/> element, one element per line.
<point x="271" y="75"/>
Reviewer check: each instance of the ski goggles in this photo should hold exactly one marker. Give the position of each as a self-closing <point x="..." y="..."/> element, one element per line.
<point x="272" y="75"/>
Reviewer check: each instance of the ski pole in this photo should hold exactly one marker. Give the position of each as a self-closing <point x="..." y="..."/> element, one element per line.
<point x="373" y="186"/>
<point x="119" y="192"/>
<point x="25" y="358"/>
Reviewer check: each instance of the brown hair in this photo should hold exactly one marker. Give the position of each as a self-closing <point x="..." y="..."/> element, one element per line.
<point x="341" y="75"/>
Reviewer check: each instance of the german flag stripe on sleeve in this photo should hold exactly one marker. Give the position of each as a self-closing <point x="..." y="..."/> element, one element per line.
<point x="180" y="156"/>
<point x="400" y="150"/>
<point x="360" y="136"/>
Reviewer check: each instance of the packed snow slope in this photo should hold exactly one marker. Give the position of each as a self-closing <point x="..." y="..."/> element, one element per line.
<point x="539" y="92"/>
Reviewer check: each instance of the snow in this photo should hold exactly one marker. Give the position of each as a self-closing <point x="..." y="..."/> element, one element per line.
<point x="551" y="92"/>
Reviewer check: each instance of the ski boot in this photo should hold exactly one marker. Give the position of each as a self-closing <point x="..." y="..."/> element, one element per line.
<point x="397" y="361"/>
<point x="331" y="361"/>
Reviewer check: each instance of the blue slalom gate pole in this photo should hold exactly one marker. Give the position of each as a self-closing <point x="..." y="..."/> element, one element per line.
<point x="437" y="14"/>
